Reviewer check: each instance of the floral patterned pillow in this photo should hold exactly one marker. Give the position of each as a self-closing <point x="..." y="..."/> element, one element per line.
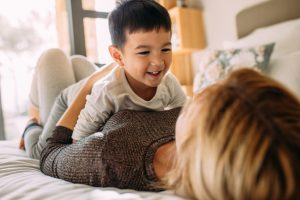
<point x="216" y="64"/>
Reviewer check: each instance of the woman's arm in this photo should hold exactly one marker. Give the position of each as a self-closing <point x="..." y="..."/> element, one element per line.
<point x="78" y="163"/>
<point x="69" y="118"/>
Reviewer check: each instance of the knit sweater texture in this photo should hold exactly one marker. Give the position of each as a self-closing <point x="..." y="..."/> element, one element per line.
<point x="121" y="155"/>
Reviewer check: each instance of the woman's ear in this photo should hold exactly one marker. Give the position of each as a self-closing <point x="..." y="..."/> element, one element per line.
<point x="116" y="54"/>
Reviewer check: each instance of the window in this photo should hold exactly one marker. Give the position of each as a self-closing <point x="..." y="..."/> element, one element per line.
<point x="28" y="29"/>
<point x="89" y="28"/>
<point x="75" y="26"/>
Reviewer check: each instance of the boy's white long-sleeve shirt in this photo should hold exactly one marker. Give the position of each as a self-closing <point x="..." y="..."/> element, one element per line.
<point x="113" y="93"/>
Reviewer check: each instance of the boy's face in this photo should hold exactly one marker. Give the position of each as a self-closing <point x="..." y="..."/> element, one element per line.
<point x="146" y="57"/>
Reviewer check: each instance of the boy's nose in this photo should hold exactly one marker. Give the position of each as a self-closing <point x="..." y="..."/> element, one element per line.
<point x="160" y="63"/>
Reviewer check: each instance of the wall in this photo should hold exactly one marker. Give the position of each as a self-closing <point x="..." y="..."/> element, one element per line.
<point x="219" y="18"/>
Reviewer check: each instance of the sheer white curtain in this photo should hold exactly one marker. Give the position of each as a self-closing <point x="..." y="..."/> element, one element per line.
<point x="28" y="28"/>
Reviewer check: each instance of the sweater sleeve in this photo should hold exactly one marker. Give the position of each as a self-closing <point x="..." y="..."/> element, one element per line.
<point x="78" y="163"/>
<point x="60" y="138"/>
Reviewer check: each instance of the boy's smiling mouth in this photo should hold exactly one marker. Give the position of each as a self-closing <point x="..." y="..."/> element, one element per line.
<point x="154" y="73"/>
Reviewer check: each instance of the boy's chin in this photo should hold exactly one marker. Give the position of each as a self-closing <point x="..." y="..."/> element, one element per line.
<point x="153" y="84"/>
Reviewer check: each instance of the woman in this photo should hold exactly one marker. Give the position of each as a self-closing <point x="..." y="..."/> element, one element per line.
<point x="238" y="139"/>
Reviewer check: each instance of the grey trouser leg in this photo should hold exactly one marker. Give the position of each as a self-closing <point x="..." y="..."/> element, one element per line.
<point x="35" y="137"/>
<point x="54" y="73"/>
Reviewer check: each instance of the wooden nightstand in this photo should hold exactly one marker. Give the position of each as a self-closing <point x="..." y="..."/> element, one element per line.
<point x="187" y="27"/>
<point x="187" y="37"/>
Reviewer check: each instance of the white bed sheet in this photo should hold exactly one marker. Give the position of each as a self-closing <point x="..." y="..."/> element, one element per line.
<point x="20" y="178"/>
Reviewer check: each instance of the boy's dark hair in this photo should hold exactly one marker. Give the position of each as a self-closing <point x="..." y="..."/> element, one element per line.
<point x="136" y="15"/>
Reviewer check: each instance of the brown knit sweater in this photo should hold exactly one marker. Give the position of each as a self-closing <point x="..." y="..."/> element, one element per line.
<point x="120" y="155"/>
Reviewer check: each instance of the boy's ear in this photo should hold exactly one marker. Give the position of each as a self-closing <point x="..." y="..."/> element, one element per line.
<point x="116" y="54"/>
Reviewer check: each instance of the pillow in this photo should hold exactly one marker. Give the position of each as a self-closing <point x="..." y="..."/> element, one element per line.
<point x="285" y="35"/>
<point x="286" y="70"/>
<point x="216" y="64"/>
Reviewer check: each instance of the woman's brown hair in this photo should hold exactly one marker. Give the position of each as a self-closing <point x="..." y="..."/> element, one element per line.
<point x="243" y="141"/>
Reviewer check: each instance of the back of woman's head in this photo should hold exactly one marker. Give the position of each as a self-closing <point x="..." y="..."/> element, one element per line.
<point x="243" y="141"/>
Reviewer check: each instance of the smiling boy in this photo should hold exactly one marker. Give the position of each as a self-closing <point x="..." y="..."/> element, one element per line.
<point x="141" y="46"/>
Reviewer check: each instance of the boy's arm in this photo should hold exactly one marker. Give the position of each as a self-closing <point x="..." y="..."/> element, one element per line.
<point x="69" y="118"/>
<point x="96" y="111"/>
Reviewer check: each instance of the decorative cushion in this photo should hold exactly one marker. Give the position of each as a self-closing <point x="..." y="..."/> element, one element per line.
<point x="216" y="64"/>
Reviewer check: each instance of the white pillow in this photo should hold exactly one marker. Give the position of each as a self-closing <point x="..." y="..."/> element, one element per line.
<point x="286" y="70"/>
<point x="286" y="35"/>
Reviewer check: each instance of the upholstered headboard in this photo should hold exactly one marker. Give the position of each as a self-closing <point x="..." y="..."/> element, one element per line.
<point x="265" y="14"/>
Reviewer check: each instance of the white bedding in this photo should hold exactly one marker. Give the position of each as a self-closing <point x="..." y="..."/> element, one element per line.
<point x="20" y="178"/>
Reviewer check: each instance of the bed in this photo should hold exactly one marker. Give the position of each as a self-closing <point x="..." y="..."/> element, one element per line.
<point x="20" y="177"/>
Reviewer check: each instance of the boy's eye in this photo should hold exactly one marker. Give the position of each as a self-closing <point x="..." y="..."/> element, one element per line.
<point x="166" y="50"/>
<point x="143" y="52"/>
